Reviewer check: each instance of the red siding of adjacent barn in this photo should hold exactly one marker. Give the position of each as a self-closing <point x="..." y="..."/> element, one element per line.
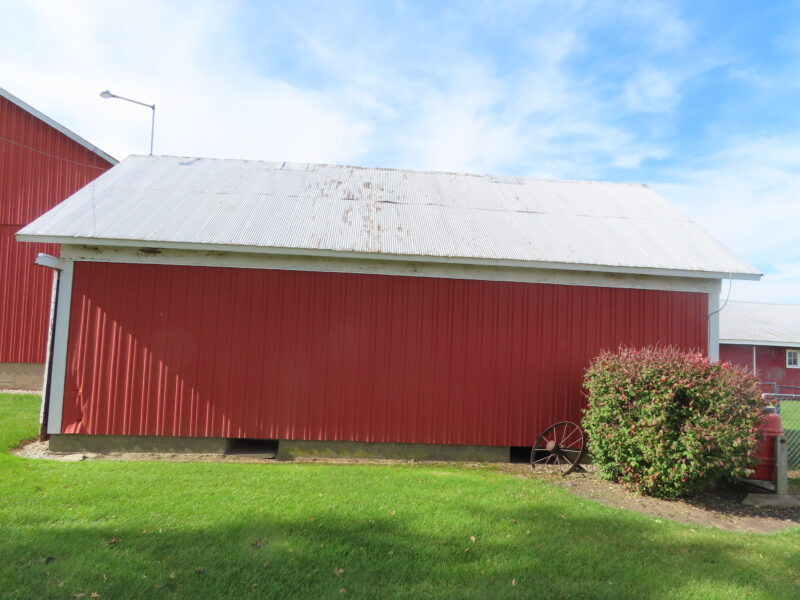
<point x="25" y="292"/>
<point x="39" y="167"/>
<point x="770" y="363"/>
<point x="199" y="351"/>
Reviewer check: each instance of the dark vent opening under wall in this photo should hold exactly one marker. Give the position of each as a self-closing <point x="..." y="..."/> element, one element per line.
<point x="253" y="447"/>
<point x="520" y="454"/>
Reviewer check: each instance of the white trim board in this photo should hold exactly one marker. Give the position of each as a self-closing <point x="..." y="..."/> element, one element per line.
<point x="386" y="267"/>
<point x="794" y="344"/>
<point x="318" y="253"/>
<point x="58" y="378"/>
<point x="713" y="326"/>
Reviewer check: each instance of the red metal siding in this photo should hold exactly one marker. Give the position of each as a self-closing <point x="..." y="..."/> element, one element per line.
<point x="39" y="167"/>
<point x="770" y="363"/>
<point x="24" y="299"/>
<point x="197" y="351"/>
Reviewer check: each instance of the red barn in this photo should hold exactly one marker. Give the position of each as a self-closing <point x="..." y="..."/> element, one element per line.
<point x="765" y="338"/>
<point x="41" y="163"/>
<point x="402" y="312"/>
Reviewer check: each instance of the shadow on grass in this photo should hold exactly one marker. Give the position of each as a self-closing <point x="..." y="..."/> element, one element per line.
<point x="525" y="553"/>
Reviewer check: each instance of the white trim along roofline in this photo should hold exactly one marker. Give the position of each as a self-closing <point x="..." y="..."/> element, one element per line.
<point x="787" y="344"/>
<point x="447" y="270"/>
<point x="57" y="126"/>
<point x="97" y="242"/>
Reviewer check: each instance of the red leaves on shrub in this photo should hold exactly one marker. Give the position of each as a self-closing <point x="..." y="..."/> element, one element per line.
<point x="668" y="423"/>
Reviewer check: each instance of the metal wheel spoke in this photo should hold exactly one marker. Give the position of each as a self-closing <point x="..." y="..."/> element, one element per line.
<point x="565" y="442"/>
<point x="564" y="431"/>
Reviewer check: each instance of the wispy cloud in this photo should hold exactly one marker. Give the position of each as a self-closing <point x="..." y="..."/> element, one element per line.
<point x="209" y="101"/>
<point x="748" y="196"/>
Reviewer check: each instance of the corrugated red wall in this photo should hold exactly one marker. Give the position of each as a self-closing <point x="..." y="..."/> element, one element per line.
<point x="198" y="351"/>
<point x="770" y="363"/>
<point x="39" y="167"/>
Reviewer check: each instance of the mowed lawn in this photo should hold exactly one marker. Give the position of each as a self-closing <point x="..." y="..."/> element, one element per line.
<point x="203" y="530"/>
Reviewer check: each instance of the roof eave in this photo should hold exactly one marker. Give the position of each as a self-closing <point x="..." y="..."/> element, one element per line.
<point x="795" y="344"/>
<point x="51" y="239"/>
<point x="57" y="126"/>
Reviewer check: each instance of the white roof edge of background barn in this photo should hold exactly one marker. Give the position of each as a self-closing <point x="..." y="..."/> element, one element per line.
<point x="57" y="126"/>
<point x="363" y="212"/>
<point x="760" y="324"/>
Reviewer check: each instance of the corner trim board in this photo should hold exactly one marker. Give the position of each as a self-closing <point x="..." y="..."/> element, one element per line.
<point x="61" y="335"/>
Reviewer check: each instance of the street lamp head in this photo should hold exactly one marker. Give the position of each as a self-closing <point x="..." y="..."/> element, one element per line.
<point x="108" y="94"/>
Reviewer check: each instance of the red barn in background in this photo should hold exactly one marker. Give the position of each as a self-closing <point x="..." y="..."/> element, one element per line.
<point x="41" y="164"/>
<point x="765" y="338"/>
<point x="216" y="300"/>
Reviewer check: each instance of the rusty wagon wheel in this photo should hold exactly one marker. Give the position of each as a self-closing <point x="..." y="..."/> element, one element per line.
<point x="561" y="446"/>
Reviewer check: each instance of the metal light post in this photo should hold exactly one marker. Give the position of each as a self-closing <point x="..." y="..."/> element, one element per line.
<point x="107" y="94"/>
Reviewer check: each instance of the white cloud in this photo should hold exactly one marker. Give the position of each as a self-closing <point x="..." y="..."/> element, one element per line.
<point x="782" y="286"/>
<point x="208" y="101"/>
<point x="422" y="101"/>
<point x="651" y="90"/>
<point x="748" y="196"/>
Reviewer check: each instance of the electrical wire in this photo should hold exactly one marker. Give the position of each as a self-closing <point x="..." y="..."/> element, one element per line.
<point x="724" y="304"/>
<point x="61" y="158"/>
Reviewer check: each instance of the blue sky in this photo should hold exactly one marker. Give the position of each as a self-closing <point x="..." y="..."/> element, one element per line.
<point x="699" y="100"/>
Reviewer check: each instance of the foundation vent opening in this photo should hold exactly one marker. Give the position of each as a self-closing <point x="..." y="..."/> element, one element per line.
<point x="253" y="447"/>
<point x="519" y="454"/>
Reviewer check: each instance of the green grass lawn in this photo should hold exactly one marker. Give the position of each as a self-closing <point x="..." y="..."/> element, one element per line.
<point x="200" y="530"/>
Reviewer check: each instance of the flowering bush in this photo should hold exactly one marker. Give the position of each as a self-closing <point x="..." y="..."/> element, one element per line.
<point x="668" y="423"/>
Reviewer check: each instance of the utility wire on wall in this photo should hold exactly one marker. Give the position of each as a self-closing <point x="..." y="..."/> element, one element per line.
<point x="61" y="158"/>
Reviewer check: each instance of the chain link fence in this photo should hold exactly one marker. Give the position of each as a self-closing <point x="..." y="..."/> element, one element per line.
<point x="789" y="409"/>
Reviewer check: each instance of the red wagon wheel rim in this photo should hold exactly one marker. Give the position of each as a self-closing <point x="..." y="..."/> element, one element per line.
<point x="561" y="446"/>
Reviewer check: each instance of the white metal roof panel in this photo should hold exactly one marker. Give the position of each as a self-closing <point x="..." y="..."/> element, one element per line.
<point x="271" y="206"/>
<point x="759" y="322"/>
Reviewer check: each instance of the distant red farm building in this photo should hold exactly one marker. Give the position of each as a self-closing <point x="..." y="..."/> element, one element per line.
<point x="41" y="164"/>
<point x="216" y="299"/>
<point x="765" y="338"/>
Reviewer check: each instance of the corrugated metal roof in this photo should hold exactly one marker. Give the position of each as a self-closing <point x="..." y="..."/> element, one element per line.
<point x="770" y="324"/>
<point x="57" y="126"/>
<point x="330" y="209"/>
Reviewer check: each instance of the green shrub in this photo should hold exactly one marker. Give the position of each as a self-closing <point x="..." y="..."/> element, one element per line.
<point x="670" y="424"/>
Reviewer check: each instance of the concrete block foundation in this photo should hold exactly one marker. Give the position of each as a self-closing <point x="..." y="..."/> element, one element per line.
<point x="137" y="443"/>
<point x="287" y="449"/>
<point x="21" y="376"/>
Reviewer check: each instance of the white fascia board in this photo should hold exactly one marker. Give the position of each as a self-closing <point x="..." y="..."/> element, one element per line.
<point x="57" y="126"/>
<point x="794" y="344"/>
<point x="339" y="264"/>
<point x="386" y="257"/>
<point x="46" y="260"/>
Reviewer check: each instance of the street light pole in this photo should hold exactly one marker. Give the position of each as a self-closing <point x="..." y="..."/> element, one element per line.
<point x="107" y="94"/>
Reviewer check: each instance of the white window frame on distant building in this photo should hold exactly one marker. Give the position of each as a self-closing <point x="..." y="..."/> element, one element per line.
<point x="793" y="359"/>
